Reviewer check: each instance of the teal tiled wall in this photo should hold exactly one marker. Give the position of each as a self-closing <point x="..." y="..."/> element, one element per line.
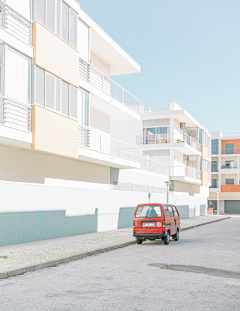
<point x="25" y="227"/>
<point x="125" y="218"/>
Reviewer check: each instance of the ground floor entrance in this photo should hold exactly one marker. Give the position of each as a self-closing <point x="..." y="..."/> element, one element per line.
<point x="232" y="206"/>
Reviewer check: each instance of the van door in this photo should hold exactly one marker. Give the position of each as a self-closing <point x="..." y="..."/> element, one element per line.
<point x="173" y="223"/>
<point x="176" y="218"/>
<point x="167" y="218"/>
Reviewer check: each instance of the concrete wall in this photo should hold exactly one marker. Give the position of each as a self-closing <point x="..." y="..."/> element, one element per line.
<point x="99" y="64"/>
<point x="204" y="179"/>
<point x="55" y="55"/>
<point x="53" y="132"/>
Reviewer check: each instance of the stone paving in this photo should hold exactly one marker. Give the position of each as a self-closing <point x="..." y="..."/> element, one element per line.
<point x="27" y="254"/>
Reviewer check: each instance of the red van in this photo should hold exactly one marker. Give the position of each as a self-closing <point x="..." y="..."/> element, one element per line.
<point x="153" y="221"/>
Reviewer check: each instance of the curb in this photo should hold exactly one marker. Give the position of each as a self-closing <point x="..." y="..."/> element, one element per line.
<point x="7" y="274"/>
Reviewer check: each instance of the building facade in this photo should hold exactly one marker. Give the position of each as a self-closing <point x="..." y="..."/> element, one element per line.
<point x="62" y="169"/>
<point x="225" y="170"/>
<point x="170" y="135"/>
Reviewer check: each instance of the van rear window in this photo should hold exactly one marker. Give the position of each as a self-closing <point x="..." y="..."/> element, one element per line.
<point x="148" y="211"/>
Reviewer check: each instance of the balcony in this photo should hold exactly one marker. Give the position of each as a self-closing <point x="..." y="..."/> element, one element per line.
<point x="15" y="123"/>
<point x="230" y="188"/>
<point x="102" y="82"/>
<point x="15" y="23"/>
<point x="182" y="141"/>
<point x="230" y="151"/>
<point x="154" y="166"/>
<point x="185" y="173"/>
<point x="99" y="147"/>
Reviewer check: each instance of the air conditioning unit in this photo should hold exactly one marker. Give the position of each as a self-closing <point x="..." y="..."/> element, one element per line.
<point x="182" y="126"/>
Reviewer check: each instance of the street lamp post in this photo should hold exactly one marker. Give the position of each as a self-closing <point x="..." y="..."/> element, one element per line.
<point x="167" y="184"/>
<point x="217" y="202"/>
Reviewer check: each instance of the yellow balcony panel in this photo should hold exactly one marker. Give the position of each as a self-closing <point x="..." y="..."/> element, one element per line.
<point x="55" y="55"/>
<point x="205" y="153"/>
<point x="204" y="178"/>
<point x="54" y="133"/>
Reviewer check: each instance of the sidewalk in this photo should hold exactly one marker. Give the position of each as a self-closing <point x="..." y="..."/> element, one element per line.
<point x="18" y="256"/>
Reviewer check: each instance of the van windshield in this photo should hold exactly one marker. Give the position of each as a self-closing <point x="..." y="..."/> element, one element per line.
<point x="148" y="211"/>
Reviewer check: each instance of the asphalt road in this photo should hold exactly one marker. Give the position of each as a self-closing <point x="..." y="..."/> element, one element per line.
<point x="201" y="272"/>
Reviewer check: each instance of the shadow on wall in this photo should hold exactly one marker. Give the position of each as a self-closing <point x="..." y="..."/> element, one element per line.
<point x="26" y="227"/>
<point x="125" y="217"/>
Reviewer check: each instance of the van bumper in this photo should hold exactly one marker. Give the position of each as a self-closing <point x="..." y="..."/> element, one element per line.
<point x="149" y="236"/>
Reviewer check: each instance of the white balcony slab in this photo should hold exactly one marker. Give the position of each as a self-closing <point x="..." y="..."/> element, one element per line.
<point x="97" y="157"/>
<point x="182" y="147"/>
<point x="229" y="171"/>
<point x="186" y="179"/>
<point x="15" y="138"/>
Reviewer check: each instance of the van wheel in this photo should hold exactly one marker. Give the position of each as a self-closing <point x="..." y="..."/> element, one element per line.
<point x="176" y="236"/>
<point x="139" y="241"/>
<point x="167" y="239"/>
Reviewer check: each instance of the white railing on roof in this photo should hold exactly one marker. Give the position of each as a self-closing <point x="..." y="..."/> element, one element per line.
<point x="15" y="114"/>
<point x="166" y="138"/>
<point x="161" y="105"/>
<point x="15" y="23"/>
<point x="185" y="171"/>
<point x="102" y="82"/>
<point x="102" y="142"/>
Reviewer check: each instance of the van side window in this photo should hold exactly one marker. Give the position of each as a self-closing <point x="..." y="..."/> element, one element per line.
<point x="171" y="211"/>
<point x="166" y="211"/>
<point x="175" y="211"/>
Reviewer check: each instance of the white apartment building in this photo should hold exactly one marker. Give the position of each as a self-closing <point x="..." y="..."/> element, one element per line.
<point x="170" y="135"/>
<point x="63" y="171"/>
<point x="225" y="172"/>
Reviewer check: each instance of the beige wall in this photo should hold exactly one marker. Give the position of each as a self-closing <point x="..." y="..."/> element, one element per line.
<point x="204" y="152"/>
<point x="204" y="177"/>
<point x="20" y="165"/>
<point x="55" y="55"/>
<point x="186" y="187"/>
<point x="54" y="133"/>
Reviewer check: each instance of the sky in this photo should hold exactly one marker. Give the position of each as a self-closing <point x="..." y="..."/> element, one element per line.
<point x="189" y="50"/>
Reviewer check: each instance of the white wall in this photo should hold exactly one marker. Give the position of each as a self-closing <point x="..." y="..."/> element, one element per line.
<point x="126" y="131"/>
<point x="229" y="176"/>
<point x="99" y="120"/>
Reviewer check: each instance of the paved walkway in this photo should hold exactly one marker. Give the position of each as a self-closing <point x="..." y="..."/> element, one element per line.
<point x="27" y="254"/>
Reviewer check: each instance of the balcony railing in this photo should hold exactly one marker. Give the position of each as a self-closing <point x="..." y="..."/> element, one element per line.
<point x="226" y="167"/>
<point x="159" y="139"/>
<point x="102" y="142"/>
<point x="232" y="150"/>
<point x="15" y="23"/>
<point x="185" y="171"/>
<point x="153" y="166"/>
<point x="102" y="82"/>
<point x="14" y="114"/>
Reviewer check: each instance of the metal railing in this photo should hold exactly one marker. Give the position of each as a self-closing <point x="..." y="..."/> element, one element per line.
<point x="101" y="142"/>
<point x="185" y="171"/>
<point x="102" y="82"/>
<point x="226" y="167"/>
<point x="168" y="138"/>
<point x="14" y="114"/>
<point x="15" y="23"/>
<point x="153" y="166"/>
<point x="232" y="150"/>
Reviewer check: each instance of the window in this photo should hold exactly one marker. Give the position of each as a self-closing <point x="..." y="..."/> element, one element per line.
<point x="148" y="211"/>
<point x="171" y="211"/>
<point x="59" y="18"/>
<point x="230" y="181"/>
<point x="229" y="164"/>
<point x="175" y="211"/>
<point x="214" y="146"/>
<point x="229" y="148"/>
<point x="83" y="111"/>
<point x="214" y="183"/>
<point x="214" y="166"/>
<point x="55" y="94"/>
<point x="17" y="75"/>
<point x="83" y="41"/>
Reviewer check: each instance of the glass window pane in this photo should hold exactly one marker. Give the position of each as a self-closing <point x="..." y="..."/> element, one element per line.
<point x="83" y="40"/>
